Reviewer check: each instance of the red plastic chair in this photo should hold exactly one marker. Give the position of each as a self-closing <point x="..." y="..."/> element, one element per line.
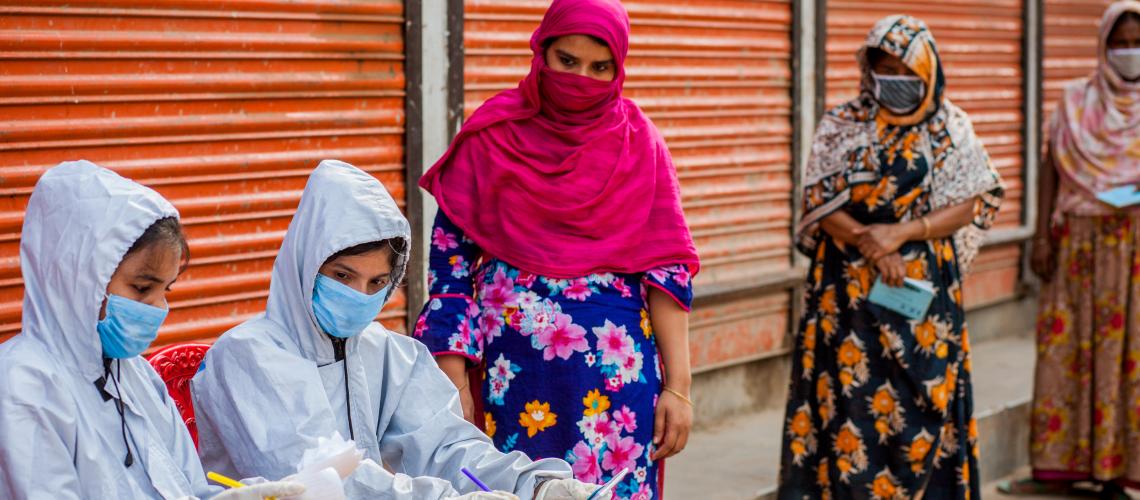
<point x="177" y="364"/>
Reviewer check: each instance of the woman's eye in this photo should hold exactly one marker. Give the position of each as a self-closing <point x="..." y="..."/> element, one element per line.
<point x="601" y="68"/>
<point x="566" y="61"/>
<point x="342" y="276"/>
<point x="141" y="289"/>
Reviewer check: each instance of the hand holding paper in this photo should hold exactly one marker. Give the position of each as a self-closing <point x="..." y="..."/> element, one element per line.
<point x="335" y="452"/>
<point x="911" y="300"/>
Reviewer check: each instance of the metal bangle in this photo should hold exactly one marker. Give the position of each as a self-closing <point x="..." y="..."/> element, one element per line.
<point x="675" y="393"/>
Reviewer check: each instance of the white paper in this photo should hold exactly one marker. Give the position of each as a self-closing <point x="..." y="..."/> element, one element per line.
<point x="335" y="452"/>
<point x="324" y="484"/>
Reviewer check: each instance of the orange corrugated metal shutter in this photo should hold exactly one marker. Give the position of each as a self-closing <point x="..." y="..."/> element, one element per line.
<point x="1071" y="30"/>
<point x="980" y="42"/>
<point x="715" y="76"/>
<point x="223" y="106"/>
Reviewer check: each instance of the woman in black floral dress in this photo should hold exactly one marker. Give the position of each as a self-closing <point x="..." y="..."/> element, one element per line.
<point x="898" y="186"/>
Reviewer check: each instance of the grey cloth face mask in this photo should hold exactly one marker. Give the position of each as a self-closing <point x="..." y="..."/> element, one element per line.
<point x="900" y="94"/>
<point x="1126" y="62"/>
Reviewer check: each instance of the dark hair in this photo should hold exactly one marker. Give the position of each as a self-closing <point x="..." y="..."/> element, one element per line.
<point x="398" y="246"/>
<point x="874" y="55"/>
<point x="165" y="230"/>
<point x="1120" y="20"/>
<point x="550" y="41"/>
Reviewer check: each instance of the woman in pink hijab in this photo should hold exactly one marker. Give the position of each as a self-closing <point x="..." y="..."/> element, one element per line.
<point x="562" y="260"/>
<point x="1086" y="404"/>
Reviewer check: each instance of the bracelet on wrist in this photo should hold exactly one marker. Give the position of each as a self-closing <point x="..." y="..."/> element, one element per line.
<point x="675" y="393"/>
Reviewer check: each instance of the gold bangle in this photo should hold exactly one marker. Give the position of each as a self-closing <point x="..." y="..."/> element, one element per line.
<point x="925" y="228"/>
<point x="465" y="385"/>
<point x="675" y="393"/>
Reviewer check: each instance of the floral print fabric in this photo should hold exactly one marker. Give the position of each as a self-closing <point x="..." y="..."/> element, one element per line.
<point x="881" y="406"/>
<point x="572" y="364"/>
<point x="1086" y="407"/>
<point x="1093" y="133"/>
<point x="859" y="139"/>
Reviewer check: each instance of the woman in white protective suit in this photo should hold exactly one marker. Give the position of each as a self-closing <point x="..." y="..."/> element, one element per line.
<point x="82" y="415"/>
<point x="315" y="364"/>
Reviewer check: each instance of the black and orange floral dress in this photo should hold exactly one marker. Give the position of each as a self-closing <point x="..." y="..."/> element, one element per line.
<point x="880" y="406"/>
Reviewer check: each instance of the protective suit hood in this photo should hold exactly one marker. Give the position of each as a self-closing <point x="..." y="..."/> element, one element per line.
<point x="67" y="424"/>
<point x="341" y="207"/>
<point x="272" y="388"/>
<point x="68" y="252"/>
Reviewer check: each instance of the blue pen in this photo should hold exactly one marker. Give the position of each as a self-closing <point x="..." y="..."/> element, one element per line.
<point x="474" y="479"/>
<point x="608" y="488"/>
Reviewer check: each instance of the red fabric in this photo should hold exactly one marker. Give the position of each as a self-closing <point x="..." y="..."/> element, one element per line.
<point x="563" y="176"/>
<point x="176" y="365"/>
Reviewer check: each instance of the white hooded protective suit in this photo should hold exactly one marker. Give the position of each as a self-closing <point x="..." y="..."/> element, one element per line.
<point x="61" y="435"/>
<point x="273" y="385"/>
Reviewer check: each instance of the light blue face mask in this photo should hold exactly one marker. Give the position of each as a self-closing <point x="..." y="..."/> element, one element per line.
<point x="128" y="327"/>
<point x="343" y="312"/>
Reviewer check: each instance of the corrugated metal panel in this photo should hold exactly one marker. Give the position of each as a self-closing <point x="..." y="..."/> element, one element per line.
<point x="980" y="42"/>
<point x="223" y="106"/>
<point x="994" y="276"/>
<point x="715" y="76"/>
<point x="1071" y="29"/>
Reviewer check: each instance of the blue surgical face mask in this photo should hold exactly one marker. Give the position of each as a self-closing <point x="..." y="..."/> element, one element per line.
<point x="900" y="94"/>
<point x="344" y="312"/>
<point x="128" y="327"/>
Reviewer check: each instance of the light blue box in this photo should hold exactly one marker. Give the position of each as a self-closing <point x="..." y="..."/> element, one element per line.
<point x="1120" y="197"/>
<point x="911" y="300"/>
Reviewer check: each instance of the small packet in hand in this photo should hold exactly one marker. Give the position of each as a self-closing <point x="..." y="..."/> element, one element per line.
<point x="324" y="484"/>
<point x="911" y="300"/>
<point x="333" y="451"/>
<point x="1121" y="197"/>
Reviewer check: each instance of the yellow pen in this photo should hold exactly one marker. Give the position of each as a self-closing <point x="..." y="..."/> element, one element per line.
<point x="223" y="480"/>
<point x="228" y="482"/>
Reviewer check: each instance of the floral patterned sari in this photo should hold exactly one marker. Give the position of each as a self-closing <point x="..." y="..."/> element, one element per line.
<point x="1086" y="405"/>
<point x="880" y="406"/>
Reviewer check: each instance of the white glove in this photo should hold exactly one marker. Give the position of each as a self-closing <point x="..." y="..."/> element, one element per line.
<point x="487" y="495"/>
<point x="262" y="490"/>
<point x="565" y="489"/>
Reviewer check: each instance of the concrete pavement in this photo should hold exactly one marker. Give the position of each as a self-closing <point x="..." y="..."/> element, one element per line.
<point x="739" y="458"/>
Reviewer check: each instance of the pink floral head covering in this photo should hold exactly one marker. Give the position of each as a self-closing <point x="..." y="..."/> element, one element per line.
<point x="1095" y="132"/>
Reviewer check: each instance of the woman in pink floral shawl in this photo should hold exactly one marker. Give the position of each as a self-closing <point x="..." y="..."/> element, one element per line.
<point x="1086" y="409"/>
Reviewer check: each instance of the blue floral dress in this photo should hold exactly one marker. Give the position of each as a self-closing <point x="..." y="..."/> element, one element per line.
<point x="572" y="364"/>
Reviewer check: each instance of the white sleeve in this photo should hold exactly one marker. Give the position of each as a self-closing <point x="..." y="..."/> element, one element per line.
<point x="257" y="418"/>
<point x="179" y="442"/>
<point x="36" y="425"/>
<point x="372" y="481"/>
<point x="426" y="434"/>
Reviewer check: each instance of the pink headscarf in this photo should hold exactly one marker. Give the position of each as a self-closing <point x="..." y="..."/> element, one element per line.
<point x="562" y="176"/>
<point x="1095" y="139"/>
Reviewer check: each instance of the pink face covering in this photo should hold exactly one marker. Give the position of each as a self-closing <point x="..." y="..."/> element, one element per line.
<point x="562" y="176"/>
<point x="569" y="93"/>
